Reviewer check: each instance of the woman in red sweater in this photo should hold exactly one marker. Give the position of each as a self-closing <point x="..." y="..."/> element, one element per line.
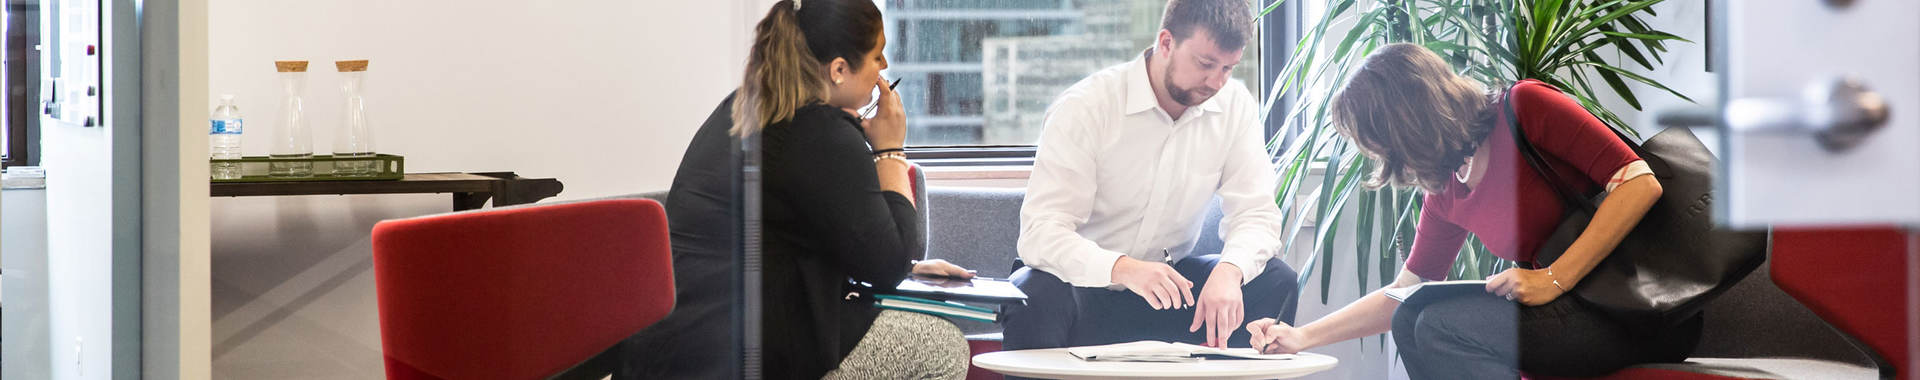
<point x="1448" y="135"/>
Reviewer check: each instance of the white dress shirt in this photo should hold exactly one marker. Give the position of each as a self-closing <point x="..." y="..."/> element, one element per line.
<point x="1115" y="175"/>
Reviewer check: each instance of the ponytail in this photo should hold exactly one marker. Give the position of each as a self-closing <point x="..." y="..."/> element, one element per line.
<point x="782" y="73"/>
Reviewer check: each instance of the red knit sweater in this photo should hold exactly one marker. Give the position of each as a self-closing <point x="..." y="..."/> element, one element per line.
<point x="1513" y="210"/>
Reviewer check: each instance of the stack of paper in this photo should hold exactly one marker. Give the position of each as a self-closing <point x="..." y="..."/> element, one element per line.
<point x="1156" y="351"/>
<point x="937" y="308"/>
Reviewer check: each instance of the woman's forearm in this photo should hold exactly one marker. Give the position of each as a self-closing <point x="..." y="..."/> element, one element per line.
<point x="1372" y="314"/>
<point x="1617" y="216"/>
<point x="894" y="178"/>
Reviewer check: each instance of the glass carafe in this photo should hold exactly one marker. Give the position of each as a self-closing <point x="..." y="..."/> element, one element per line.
<point x="292" y="135"/>
<point x="355" y="137"/>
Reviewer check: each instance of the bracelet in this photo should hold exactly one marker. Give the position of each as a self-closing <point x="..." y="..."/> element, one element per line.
<point x="1556" y="281"/>
<point x="888" y="150"/>
<point x="892" y="156"/>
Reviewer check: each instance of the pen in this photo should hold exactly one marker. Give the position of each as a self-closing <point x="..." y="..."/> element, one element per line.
<point x="876" y="106"/>
<point x="1166" y="256"/>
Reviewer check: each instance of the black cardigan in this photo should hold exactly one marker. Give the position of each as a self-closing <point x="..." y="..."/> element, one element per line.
<point x="694" y="341"/>
<point x="827" y="227"/>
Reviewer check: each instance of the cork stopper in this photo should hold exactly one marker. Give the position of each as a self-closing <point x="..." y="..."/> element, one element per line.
<point x="351" y="66"/>
<point x="290" y="66"/>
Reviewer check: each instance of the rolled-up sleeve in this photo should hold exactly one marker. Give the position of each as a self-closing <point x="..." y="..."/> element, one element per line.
<point x="1059" y="199"/>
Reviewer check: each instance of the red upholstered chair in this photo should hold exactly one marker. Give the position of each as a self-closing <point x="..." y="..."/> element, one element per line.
<point x="520" y="293"/>
<point x="1853" y="279"/>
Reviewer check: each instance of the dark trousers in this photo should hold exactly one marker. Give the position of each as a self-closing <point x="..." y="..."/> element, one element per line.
<point x="1482" y="336"/>
<point x="1058" y="314"/>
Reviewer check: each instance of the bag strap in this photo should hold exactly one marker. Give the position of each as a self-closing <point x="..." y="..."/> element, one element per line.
<point x="1539" y="163"/>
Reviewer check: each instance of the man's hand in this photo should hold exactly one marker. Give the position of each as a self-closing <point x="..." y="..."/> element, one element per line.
<point x="1274" y="337"/>
<point x="1220" y="307"/>
<point x="1163" y="287"/>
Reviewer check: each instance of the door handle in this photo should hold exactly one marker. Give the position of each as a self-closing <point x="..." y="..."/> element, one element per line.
<point x="1840" y="113"/>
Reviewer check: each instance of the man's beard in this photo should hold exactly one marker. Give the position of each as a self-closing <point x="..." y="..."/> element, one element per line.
<point x="1185" y="97"/>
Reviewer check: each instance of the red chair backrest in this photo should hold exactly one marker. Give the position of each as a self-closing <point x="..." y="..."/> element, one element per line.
<point x="1855" y="279"/>
<point x="518" y="293"/>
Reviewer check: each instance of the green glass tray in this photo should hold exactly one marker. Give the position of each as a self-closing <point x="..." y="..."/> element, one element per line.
<point x="386" y="167"/>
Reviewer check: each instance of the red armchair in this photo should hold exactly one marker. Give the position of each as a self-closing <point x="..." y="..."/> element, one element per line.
<point x="1854" y="280"/>
<point x="520" y="293"/>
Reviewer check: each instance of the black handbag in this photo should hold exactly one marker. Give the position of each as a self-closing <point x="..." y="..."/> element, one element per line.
<point x="1676" y="260"/>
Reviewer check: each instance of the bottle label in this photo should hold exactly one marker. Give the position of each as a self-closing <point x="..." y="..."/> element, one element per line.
<point x="227" y="127"/>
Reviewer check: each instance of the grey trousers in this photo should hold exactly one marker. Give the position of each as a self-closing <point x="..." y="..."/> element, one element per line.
<point x="907" y="345"/>
<point x="1482" y="336"/>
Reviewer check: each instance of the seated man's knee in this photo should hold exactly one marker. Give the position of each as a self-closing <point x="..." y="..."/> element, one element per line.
<point x="1278" y="291"/>
<point x="1039" y="284"/>
<point x="1279" y="276"/>
<point x="1044" y="319"/>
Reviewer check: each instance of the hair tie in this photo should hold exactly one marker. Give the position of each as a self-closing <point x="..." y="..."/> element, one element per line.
<point x="796" y="5"/>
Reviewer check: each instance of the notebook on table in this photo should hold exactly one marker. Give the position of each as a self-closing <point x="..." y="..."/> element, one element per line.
<point x="1157" y="351"/>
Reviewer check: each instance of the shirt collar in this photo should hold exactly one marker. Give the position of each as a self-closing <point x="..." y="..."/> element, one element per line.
<point x="1140" y="97"/>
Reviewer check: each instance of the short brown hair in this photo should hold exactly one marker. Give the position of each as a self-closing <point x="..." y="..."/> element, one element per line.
<point x="1408" y="110"/>
<point x="1229" y="21"/>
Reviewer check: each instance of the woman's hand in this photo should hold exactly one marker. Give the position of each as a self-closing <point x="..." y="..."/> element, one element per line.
<point x="1271" y="336"/>
<point x="888" y="127"/>
<point x="1531" y="287"/>
<point x="938" y="267"/>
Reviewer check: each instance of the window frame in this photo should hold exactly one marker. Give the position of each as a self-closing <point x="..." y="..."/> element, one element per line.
<point x="22" y="111"/>
<point x="1278" y="32"/>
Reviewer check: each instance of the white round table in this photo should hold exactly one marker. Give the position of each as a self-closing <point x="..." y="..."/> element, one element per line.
<point x="1056" y="363"/>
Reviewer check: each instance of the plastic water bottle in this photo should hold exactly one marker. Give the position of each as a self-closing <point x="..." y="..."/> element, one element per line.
<point x="224" y="138"/>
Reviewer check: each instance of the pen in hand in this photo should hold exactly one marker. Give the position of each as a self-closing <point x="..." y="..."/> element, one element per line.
<point x="876" y="105"/>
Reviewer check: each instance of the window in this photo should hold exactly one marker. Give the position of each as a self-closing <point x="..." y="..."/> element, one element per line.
<point x="979" y="74"/>
<point x="19" y="113"/>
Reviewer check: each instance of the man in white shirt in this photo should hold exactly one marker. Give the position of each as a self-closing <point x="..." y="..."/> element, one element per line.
<point x="1129" y="160"/>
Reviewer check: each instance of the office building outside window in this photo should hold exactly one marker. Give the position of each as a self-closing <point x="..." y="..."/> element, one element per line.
<point x="982" y="72"/>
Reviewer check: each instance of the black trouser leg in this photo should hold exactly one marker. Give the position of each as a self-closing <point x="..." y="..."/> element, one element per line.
<point x="1043" y="321"/>
<point x="1467" y="337"/>
<point x="1481" y="336"/>
<point x="1566" y="338"/>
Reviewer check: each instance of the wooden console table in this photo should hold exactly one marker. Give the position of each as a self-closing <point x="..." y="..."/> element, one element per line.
<point x="470" y="190"/>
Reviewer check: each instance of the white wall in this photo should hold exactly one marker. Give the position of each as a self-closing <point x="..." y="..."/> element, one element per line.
<point x="23" y="244"/>
<point x="175" y="324"/>
<point x="600" y="94"/>
<point x="79" y="247"/>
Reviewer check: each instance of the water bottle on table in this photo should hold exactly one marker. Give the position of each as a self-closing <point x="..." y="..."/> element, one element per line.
<point x="224" y="138"/>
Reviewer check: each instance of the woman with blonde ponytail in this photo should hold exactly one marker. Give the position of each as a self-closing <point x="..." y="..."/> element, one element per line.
<point x="836" y="207"/>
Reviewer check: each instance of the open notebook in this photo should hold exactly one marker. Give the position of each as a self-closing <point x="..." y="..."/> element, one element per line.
<point x="1157" y="351"/>
<point x="1429" y="291"/>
